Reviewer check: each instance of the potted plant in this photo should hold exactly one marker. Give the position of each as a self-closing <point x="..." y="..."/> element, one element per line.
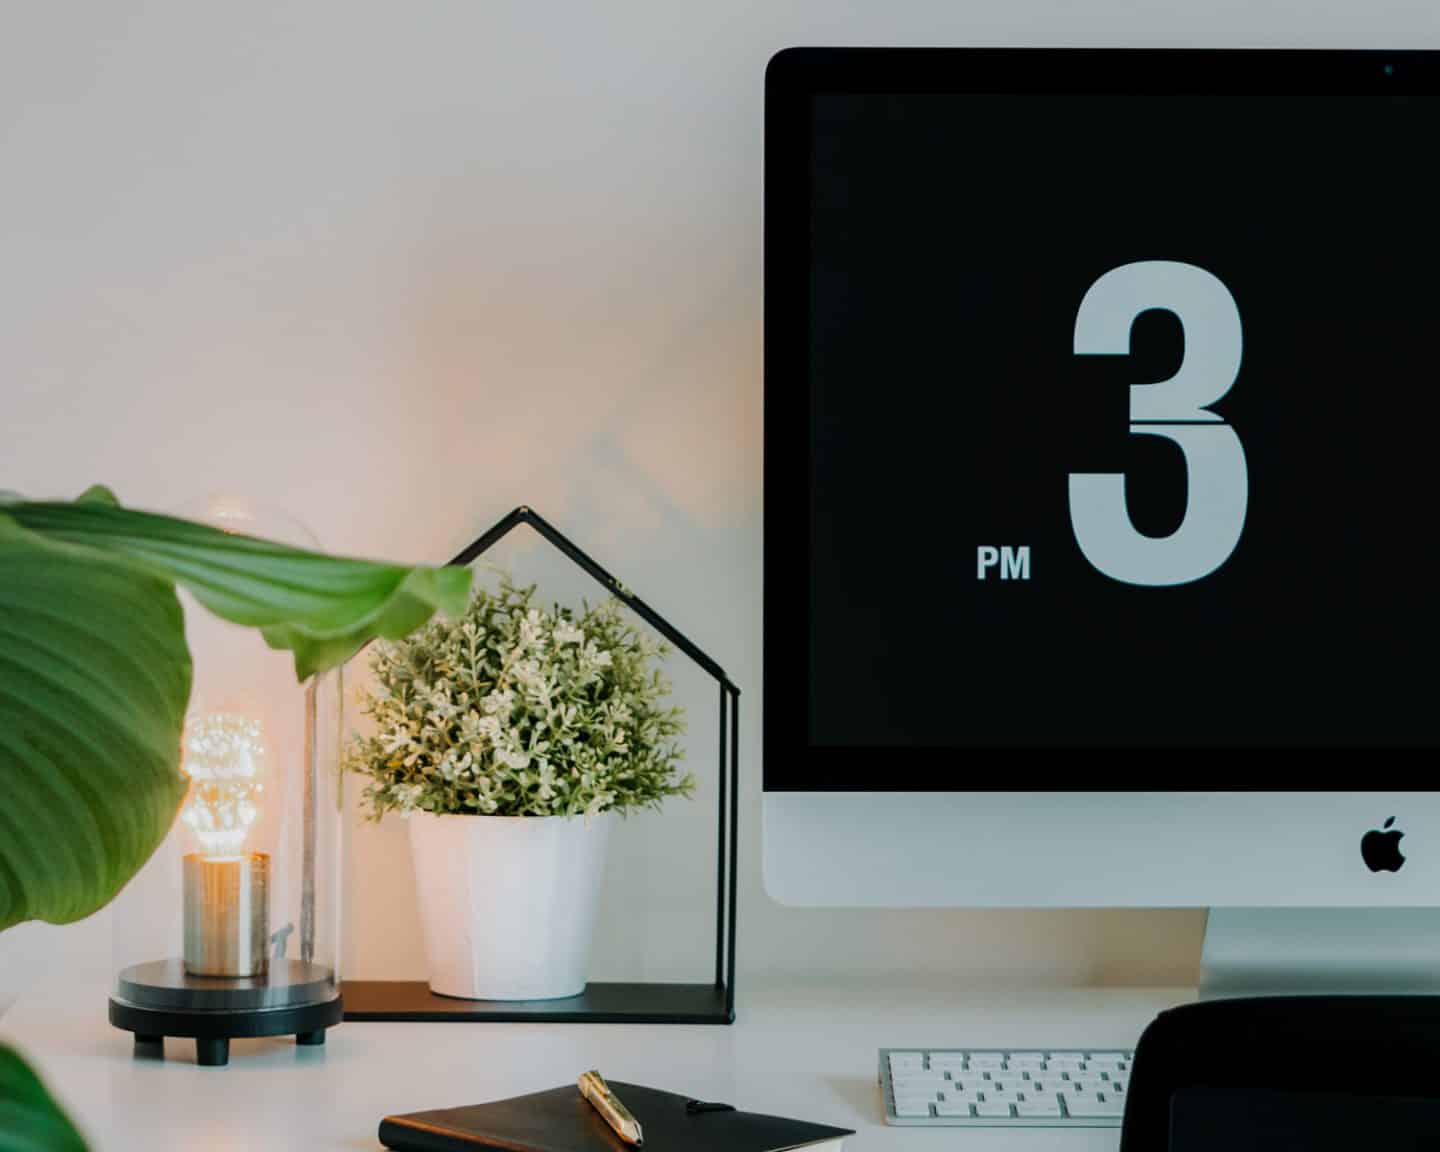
<point x="509" y="737"/>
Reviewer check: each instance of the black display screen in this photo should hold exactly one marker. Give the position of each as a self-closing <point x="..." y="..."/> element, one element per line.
<point x="1122" y="413"/>
<point x="1102" y="406"/>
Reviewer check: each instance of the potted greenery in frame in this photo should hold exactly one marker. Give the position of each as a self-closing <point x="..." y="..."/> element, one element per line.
<point x="509" y="737"/>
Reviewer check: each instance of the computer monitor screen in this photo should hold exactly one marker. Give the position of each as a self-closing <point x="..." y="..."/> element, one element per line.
<point x="1102" y="411"/>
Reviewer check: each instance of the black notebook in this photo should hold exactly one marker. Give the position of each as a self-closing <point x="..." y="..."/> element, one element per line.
<point x="562" y="1120"/>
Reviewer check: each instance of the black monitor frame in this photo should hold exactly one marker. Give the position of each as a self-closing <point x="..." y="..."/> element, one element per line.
<point x="793" y="77"/>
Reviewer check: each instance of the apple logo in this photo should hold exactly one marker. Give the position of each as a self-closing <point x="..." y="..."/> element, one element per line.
<point x="1381" y="849"/>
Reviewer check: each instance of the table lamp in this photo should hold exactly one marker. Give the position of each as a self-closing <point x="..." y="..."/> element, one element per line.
<point x="232" y="930"/>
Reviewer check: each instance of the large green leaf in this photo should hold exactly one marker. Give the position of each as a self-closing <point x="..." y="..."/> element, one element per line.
<point x="323" y="608"/>
<point x="94" y="678"/>
<point x="95" y="675"/>
<point x="30" y="1120"/>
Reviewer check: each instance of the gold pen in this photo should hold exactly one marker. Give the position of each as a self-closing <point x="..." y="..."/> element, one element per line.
<point x="595" y="1090"/>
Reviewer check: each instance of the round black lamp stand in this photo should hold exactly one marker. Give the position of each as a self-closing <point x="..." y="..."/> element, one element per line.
<point x="161" y="999"/>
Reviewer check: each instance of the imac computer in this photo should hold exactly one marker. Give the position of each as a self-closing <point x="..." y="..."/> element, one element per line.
<point x="1102" y="476"/>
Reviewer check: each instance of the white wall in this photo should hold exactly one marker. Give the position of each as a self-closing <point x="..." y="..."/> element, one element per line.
<point x="399" y="267"/>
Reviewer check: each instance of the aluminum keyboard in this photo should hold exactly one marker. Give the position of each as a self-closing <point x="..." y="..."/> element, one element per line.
<point x="1013" y="1088"/>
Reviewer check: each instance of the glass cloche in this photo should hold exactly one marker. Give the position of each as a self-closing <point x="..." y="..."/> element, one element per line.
<point x="232" y="929"/>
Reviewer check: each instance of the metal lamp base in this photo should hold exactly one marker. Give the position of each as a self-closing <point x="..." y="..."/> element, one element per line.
<point x="161" y="999"/>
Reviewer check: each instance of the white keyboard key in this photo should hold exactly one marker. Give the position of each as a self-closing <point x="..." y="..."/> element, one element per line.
<point x="906" y="1061"/>
<point x="1044" y="1107"/>
<point x="934" y="1078"/>
<point x="953" y="1108"/>
<point x="911" y="1108"/>
<point x="1094" y="1106"/>
<point x="992" y="1108"/>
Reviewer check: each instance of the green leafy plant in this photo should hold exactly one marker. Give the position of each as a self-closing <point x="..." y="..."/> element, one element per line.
<point x="30" y="1119"/>
<point x="94" y="682"/>
<point x="516" y="710"/>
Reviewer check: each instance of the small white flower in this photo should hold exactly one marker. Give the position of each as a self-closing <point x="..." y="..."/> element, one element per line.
<point x="452" y="764"/>
<point x="395" y="740"/>
<point x="471" y="726"/>
<point x="501" y="702"/>
<point x="532" y="626"/>
<point x="407" y="796"/>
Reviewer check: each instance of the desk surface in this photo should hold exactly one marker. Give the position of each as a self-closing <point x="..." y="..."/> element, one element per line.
<point x="801" y="1049"/>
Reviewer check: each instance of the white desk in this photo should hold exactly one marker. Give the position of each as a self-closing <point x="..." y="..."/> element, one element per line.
<point x="805" y="1050"/>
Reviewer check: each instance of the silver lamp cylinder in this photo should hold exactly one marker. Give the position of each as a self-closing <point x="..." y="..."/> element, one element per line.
<point x="227" y="914"/>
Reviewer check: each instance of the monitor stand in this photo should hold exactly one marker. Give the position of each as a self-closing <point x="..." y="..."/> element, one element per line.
<point x="1318" y="951"/>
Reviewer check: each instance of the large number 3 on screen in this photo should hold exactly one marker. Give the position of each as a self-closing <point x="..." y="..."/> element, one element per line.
<point x="1176" y="409"/>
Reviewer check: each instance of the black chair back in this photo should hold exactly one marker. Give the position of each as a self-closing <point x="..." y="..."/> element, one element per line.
<point x="1288" y="1074"/>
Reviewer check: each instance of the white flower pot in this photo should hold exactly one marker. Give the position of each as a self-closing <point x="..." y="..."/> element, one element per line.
<point x="508" y="903"/>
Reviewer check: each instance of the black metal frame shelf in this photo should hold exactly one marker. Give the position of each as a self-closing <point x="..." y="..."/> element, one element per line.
<point x="602" y="1003"/>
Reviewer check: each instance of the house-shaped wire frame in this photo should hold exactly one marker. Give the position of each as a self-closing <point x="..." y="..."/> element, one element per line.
<point x="602" y="1003"/>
